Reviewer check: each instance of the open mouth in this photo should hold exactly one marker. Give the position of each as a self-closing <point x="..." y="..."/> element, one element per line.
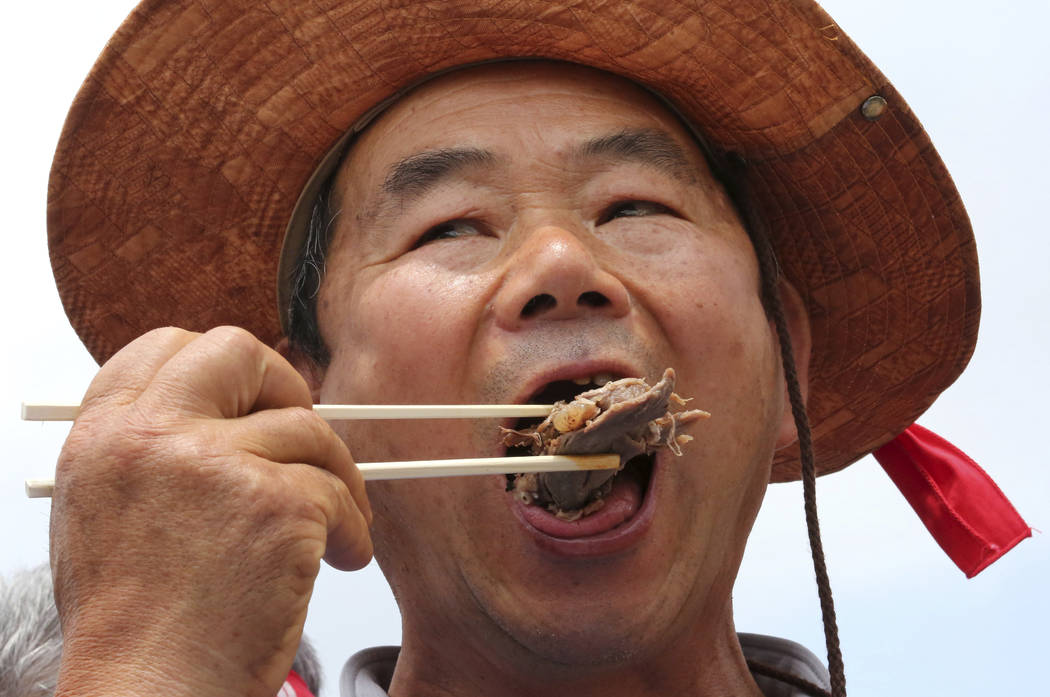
<point x="597" y="414"/>
<point x="552" y="393"/>
<point x="567" y="495"/>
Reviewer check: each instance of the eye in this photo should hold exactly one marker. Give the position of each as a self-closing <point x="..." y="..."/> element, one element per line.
<point x="633" y="209"/>
<point x="448" y="230"/>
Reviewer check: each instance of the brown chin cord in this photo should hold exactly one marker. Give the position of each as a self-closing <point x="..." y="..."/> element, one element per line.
<point x="809" y="496"/>
<point x="770" y="276"/>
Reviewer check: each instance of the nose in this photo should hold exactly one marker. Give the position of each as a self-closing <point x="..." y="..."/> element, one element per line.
<point x="554" y="276"/>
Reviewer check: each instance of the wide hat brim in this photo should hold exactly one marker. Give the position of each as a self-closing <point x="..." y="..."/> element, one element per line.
<point x="186" y="149"/>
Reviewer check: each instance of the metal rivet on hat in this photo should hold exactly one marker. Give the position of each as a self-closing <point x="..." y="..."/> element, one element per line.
<point x="873" y="107"/>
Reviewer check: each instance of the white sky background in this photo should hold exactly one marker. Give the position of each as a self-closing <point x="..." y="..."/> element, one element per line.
<point x="978" y="75"/>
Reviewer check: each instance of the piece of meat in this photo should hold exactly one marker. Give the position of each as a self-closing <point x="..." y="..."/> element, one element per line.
<point x="627" y="417"/>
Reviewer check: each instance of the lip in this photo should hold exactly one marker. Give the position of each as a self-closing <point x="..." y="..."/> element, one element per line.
<point x="617" y="540"/>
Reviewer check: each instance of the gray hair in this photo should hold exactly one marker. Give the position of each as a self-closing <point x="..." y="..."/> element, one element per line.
<point x="31" y="639"/>
<point x="30" y="636"/>
<point x="304" y="333"/>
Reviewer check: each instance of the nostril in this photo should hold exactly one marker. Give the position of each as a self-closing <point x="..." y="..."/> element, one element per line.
<point x="537" y="304"/>
<point x="592" y="299"/>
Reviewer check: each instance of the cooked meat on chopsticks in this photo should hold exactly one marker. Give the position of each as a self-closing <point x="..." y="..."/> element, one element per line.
<point x="628" y="417"/>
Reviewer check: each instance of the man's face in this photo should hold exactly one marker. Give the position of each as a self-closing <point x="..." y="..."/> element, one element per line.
<point x="511" y="225"/>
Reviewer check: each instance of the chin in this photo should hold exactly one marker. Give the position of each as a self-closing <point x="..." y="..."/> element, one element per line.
<point x="594" y="643"/>
<point x="584" y="625"/>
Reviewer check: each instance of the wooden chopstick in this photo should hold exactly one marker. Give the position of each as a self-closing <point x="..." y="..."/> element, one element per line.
<point x="337" y="412"/>
<point x="418" y="469"/>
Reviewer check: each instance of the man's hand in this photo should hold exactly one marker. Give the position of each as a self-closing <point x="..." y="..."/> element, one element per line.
<point x="194" y="499"/>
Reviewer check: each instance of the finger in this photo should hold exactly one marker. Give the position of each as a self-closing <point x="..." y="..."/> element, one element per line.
<point x="226" y="373"/>
<point x="348" y="545"/>
<point x="127" y="373"/>
<point x="293" y="435"/>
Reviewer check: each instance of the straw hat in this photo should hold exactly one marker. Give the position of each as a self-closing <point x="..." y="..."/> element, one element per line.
<point x="191" y="140"/>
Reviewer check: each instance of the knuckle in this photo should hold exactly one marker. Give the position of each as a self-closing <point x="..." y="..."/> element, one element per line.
<point x="237" y="340"/>
<point x="112" y="382"/>
<point x="303" y="418"/>
<point x="329" y="496"/>
<point x="150" y="414"/>
<point x="316" y="429"/>
<point x="253" y="483"/>
<point x="159" y="337"/>
<point x="164" y="335"/>
<point x="260" y="493"/>
<point x="286" y="504"/>
<point x="340" y="490"/>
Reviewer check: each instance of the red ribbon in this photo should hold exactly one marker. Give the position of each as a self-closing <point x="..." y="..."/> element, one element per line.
<point x="971" y="519"/>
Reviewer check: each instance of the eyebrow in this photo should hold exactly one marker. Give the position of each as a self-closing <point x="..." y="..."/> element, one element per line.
<point x="648" y="147"/>
<point x="417" y="174"/>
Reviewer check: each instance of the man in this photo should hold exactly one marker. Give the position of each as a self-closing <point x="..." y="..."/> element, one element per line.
<point x="497" y="228"/>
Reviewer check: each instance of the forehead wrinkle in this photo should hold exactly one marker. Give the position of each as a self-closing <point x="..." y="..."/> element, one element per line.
<point x="650" y="147"/>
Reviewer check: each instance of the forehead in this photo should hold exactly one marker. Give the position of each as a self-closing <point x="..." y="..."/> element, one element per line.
<point x="520" y="105"/>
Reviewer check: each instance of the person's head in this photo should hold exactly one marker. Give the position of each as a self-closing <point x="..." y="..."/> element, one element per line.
<point x="509" y="226"/>
<point x="498" y="228"/>
<point x="30" y="636"/>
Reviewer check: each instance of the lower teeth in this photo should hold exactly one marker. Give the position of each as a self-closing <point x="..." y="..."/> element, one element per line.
<point x="592" y="507"/>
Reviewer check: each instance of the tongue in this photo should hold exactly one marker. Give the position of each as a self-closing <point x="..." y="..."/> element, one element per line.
<point x="620" y="504"/>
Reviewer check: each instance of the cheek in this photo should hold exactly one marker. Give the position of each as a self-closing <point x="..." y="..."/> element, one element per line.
<point x="402" y="323"/>
<point x="706" y="304"/>
<point x="703" y="292"/>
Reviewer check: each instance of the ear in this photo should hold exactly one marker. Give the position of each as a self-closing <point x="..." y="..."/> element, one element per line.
<point x="801" y="343"/>
<point x="306" y="366"/>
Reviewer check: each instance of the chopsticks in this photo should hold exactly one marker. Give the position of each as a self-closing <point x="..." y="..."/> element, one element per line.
<point x="414" y="469"/>
<point x="419" y="469"/>
<point x="336" y="412"/>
